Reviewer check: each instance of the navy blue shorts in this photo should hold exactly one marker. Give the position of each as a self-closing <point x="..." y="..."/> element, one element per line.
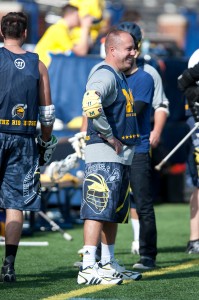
<point x="20" y="174"/>
<point x="106" y="192"/>
<point x="193" y="153"/>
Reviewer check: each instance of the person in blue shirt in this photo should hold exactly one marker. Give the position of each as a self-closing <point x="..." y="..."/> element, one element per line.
<point x="147" y="94"/>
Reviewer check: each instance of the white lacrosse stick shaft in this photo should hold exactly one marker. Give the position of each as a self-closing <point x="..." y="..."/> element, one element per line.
<point x="55" y="226"/>
<point x="159" y="166"/>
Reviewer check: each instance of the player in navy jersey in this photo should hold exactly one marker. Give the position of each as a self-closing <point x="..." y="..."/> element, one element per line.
<point x="24" y="95"/>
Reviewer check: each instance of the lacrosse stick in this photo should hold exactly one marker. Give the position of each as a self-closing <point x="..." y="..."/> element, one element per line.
<point x="57" y="169"/>
<point x="159" y="166"/>
<point x="55" y="226"/>
<point x="78" y="143"/>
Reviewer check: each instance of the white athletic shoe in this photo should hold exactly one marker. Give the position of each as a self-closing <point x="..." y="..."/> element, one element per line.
<point x="135" y="247"/>
<point x="95" y="275"/>
<point x="113" y="268"/>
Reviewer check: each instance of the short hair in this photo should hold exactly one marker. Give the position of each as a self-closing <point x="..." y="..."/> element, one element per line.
<point x="113" y="37"/>
<point x="14" y="24"/>
<point x="68" y="8"/>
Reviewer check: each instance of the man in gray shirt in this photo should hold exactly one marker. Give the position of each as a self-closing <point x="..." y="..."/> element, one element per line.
<point x="111" y="136"/>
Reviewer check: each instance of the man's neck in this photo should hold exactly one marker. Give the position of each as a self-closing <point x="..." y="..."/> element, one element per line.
<point x="14" y="45"/>
<point x="132" y="70"/>
<point x="112" y="64"/>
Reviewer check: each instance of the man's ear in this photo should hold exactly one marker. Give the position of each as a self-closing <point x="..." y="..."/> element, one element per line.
<point x="25" y="33"/>
<point x="1" y="34"/>
<point x="112" y="50"/>
<point x="137" y="53"/>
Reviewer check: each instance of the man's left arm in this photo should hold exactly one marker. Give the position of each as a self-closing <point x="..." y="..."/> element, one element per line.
<point x="160" y="117"/>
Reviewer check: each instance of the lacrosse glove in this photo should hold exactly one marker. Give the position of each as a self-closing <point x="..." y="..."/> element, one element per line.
<point x="46" y="149"/>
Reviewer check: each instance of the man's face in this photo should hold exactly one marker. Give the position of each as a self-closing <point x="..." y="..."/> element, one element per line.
<point x="124" y="52"/>
<point x="75" y="19"/>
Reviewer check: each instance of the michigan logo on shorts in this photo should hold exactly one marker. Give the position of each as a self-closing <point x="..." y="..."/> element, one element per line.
<point x="97" y="192"/>
<point x="19" y="111"/>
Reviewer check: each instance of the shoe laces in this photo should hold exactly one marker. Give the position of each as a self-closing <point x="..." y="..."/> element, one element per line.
<point x="117" y="265"/>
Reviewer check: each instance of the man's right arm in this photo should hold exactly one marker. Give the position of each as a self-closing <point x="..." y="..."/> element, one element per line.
<point x="82" y="47"/>
<point x="107" y="89"/>
<point x="46" y="142"/>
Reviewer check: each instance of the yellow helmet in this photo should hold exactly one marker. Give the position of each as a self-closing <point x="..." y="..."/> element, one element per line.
<point x="98" y="191"/>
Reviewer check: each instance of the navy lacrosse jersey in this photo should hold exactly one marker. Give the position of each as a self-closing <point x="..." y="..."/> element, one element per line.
<point x="120" y="115"/>
<point x="19" y="93"/>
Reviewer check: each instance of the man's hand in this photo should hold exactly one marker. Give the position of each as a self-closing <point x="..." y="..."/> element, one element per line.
<point x="46" y="149"/>
<point x="115" y="143"/>
<point x="154" y="138"/>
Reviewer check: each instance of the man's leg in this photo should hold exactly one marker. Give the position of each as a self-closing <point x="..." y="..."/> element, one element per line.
<point x="13" y="229"/>
<point x="193" y="164"/>
<point x="108" y="237"/>
<point x="92" y="273"/>
<point x="135" y="226"/>
<point x="92" y="234"/>
<point x="141" y="186"/>
<point x="193" y="244"/>
<point x="194" y="214"/>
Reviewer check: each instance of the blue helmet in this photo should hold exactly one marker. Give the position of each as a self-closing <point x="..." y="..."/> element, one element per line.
<point x="134" y="31"/>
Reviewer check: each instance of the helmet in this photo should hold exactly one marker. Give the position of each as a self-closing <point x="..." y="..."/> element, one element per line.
<point x="97" y="193"/>
<point x="134" y="31"/>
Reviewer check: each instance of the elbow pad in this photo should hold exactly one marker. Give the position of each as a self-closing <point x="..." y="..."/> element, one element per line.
<point x="47" y="115"/>
<point x="92" y="104"/>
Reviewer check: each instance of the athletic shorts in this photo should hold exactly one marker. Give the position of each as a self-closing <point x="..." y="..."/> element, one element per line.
<point x="20" y="175"/>
<point x="193" y="154"/>
<point x="106" y="192"/>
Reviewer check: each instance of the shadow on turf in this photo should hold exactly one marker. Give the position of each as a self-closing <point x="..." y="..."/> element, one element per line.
<point x="172" y="249"/>
<point x="160" y="250"/>
<point x="172" y="276"/>
<point x="42" y="279"/>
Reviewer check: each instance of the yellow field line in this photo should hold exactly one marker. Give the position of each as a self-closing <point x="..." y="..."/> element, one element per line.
<point x="95" y="288"/>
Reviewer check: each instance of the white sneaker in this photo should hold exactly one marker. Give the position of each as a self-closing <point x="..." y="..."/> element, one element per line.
<point x="113" y="268"/>
<point x="135" y="247"/>
<point x="95" y="275"/>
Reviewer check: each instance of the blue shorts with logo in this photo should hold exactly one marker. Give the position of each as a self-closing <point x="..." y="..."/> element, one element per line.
<point x="193" y="153"/>
<point x="106" y="192"/>
<point x="20" y="174"/>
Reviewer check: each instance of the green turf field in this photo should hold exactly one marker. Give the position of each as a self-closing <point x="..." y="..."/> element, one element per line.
<point x="48" y="272"/>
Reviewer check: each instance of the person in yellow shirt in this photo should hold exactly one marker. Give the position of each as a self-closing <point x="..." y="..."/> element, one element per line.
<point x="94" y="8"/>
<point x="57" y="38"/>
